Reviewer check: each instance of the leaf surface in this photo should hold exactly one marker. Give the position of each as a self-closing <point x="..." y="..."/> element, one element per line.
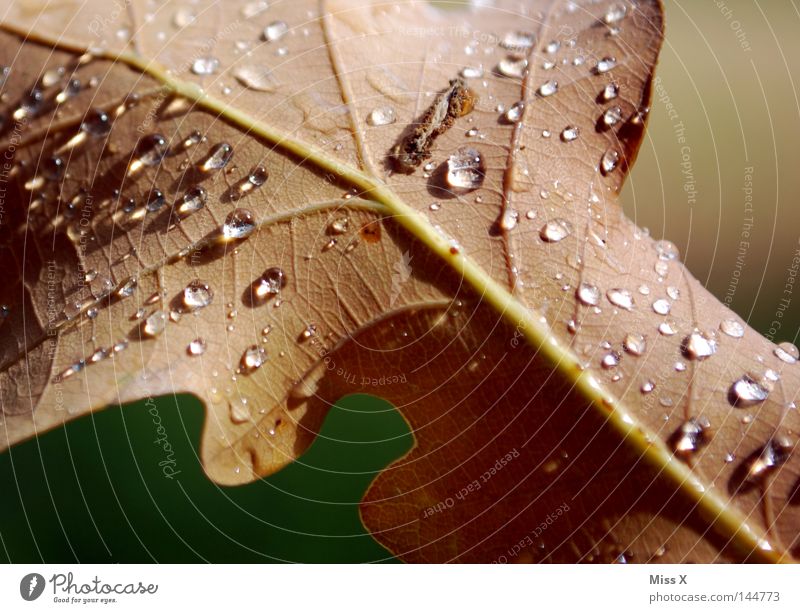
<point x="574" y="393"/>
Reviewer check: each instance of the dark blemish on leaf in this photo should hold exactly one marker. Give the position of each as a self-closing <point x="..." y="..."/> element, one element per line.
<point x="415" y="143"/>
<point x="371" y="232"/>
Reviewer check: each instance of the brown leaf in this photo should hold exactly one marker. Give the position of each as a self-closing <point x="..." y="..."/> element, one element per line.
<point x="574" y="393"/>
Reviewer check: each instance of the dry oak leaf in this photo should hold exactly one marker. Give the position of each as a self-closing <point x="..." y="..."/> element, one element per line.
<point x="203" y="200"/>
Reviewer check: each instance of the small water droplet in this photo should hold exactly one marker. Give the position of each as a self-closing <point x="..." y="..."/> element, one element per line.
<point x="667" y="328"/>
<point x="512" y="67"/>
<point x="258" y="78"/>
<point x="240" y="223"/>
<point x="647" y="387"/>
<point x="252" y="359"/>
<point x="472" y="72"/>
<point x="609" y="161"/>
<point x="268" y="285"/>
<point x="97" y="123"/>
<point x="155" y="323"/>
<point x="183" y="17"/>
<point x="205" y="66"/>
<point x="339" y="225"/>
<point x="193" y="200"/>
<point x="275" y="31"/>
<point x="621" y="298"/>
<point x="606" y="64"/>
<point x="569" y="134"/>
<point x="635" y="344"/>
<point x="197" y="295"/>
<point x="465" y="170"/>
<point x="555" y="230"/>
<point x="787" y="352"/>
<point x="382" y="116"/>
<point x="699" y="345"/>
<point x="218" y="157"/>
<point x="610" y="92"/>
<point x="552" y="47"/>
<point x="732" y="328"/>
<point x="662" y="306"/>
<point x="611" y="360"/>
<point x="588" y="294"/>
<point x="514" y="112"/>
<point x="746" y="392"/>
<point x="251" y="9"/>
<point x="548" y="88"/>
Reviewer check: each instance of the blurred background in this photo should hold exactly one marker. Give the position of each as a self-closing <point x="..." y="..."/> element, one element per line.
<point x="718" y="174"/>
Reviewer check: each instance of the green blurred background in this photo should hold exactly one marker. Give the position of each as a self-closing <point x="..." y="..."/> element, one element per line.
<point x="94" y="492"/>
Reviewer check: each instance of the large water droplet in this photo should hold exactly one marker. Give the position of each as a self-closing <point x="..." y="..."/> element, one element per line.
<point x="621" y="298"/>
<point x="612" y="116"/>
<point x="514" y="112"/>
<point x="465" y="170"/>
<point x="97" y="123"/>
<point x="699" y="345"/>
<point x="193" y="200"/>
<point x="196" y="347"/>
<point x="774" y="454"/>
<point x="268" y="285"/>
<point x="787" y="352"/>
<point x="258" y="78"/>
<point x="150" y="150"/>
<point x="155" y="200"/>
<point x="252" y="359"/>
<point x="690" y="437"/>
<point x="635" y="344"/>
<point x="555" y="230"/>
<point x="218" y="157"/>
<point x="512" y="67"/>
<point x="518" y="42"/>
<point x="610" y="92"/>
<point x="569" y="134"/>
<point x="548" y="88"/>
<point x="240" y="223"/>
<point x="666" y="250"/>
<point x="609" y="161"/>
<point x="615" y="13"/>
<point x="606" y="64"/>
<point x="732" y="328"/>
<point x="588" y="294"/>
<point x="746" y="392"/>
<point x="197" y="295"/>
<point x="662" y="306"/>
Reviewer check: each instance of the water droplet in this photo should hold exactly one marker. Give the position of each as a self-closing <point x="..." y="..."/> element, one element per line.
<point x="667" y="328"/>
<point x="193" y="200"/>
<point x="610" y="92"/>
<point x="692" y="435"/>
<point x="666" y="250"/>
<point x="193" y="139"/>
<point x="621" y="298"/>
<point x="251" y="9"/>
<point x="588" y="294"/>
<point x="699" y="345"/>
<point x="647" y="387"/>
<point x="774" y="454"/>
<point x="732" y="328"/>
<point x="257" y="176"/>
<point x="518" y="42"/>
<point x="196" y="347"/>
<point x="611" y="360"/>
<point x="662" y="306"/>
<point x="197" y="295"/>
<point x="606" y="64"/>
<point x="609" y="161"/>
<point x="612" y="116"/>
<point x="252" y="359"/>
<point x="552" y="47"/>
<point x="155" y="323"/>
<point x="548" y="88"/>
<point x="268" y="285"/>
<point x="155" y="200"/>
<point x="126" y="289"/>
<point x="150" y="150"/>
<point x="512" y="67"/>
<point x="339" y="225"/>
<point x="275" y="31"/>
<point x="472" y="72"/>
<point x="97" y="123"/>
<point x="205" y="66"/>
<point x="615" y="13"/>
<point x="258" y="78"/>
<point x="465" y="170"/>
<point x="635" y="344"/>
<point x="309" y="331"/>
<point x="787" y="352"/>
<point x="569" y="134"/>
<point x="382" y="116"/>
<point x="239" y="224"/>
<point x="514" y="112"/>
<point x="218" y="157"/>
<point x="746" y="392"/>
<point x="673" y="292"/>
<point x="183" y="17"/>
<point x="555" y="230"/>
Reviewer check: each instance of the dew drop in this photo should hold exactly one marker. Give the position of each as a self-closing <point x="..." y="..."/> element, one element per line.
<point x="239" y="224"/>
<point x="610" y="360"/>
<point x="205" y="66"/>
<point x="699" y="345"/>
<point x="552" y="47"/>
<point x="382" y="116"/>
<point x="692" y="435"/>
<point x="193" y="200"/>
<point x="275" y="31"/>
<point x="514" y="112"/>
<point x="787" y="352"/>
<point x="257" y="78"/>
<point x="518" y="42"/>
<point x="620" y="298"/>
<point x="615" y="13"/>
<point x="609" y="161"/>
<point x="251" y="9"/>
<point x="339" y="225"/>
<point x="512" y="67"/>
<point x="155" y="323"/>
<point x="126" y="289"/>
<point x="606" y="64"/>
<point x="555" y="230"/>
<point x="183" y="17"/>
<point x="465" y="170"/>
<point x="569" y="134"/>
<point x="774" y="454"/>
<point x="97" y="124"/>
<point x="197" y="295"/>
<point x="155" y="200"/>
<point x="588" y="294"/>
<point x="472" y="72"/>
<point x="150" y="150"/>
<point x="666" y="250"/>
<point x="612" y="116"/>
<point x="662" y="306"/>
<point x="252" y="359"/>
<point x="746" y="392"/>
<point x="548" y="88"/>
<point x="268" y="285"/>
<point x="635" y="344"/>
<point x="610" y="92"/>
<point x="667" y="328"/>
<point x="218" y="157"/>
<point x="732" y="328"/>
